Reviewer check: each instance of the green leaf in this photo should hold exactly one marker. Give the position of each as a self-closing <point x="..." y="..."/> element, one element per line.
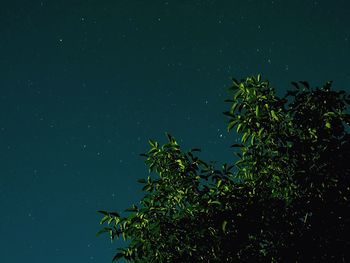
<point x="170" y="138"/>
<point x="229" y="113"/>
<point x="252" y="139"/>
<point x="224" y="224"/>
<point x="295" y="85"/>
<point x="131" y="209"/>
<point x="330" y="113"/>
<point x="219" y="183"/>
<point x="195" y="150"/>
<point x="214" y="202"/>
<point x="231" y="125"/>
<point x="103" y="230"/>
<point x="118" y="256"/>
<point x="233" y="108"/>
<point x="104" y="219"/>
<point x="103" y="212"/>
<point x="305" y="84"/>
<point x="237" y="145"/>
<point x="115" y="214"/>
<point x="235" y="84"/>
<point x="259" y="78"/>
<point x="142" y="181"/>
<point x="245" y="137"/>
<point x="152" y="143"/>
<point x="147" y="188"/>
<point x="273" y="114"/>
<point x="239" y="127"/>
<point x="238" y="93"/>
<point x="239" y="162"/>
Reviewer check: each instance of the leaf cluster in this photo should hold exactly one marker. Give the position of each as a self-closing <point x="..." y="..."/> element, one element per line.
<point x="287" y="201"/>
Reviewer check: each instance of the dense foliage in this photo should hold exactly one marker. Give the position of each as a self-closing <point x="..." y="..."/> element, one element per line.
<point x="286" y="199"/>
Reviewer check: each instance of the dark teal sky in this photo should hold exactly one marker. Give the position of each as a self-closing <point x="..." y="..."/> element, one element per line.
<point x="85" y="84"/>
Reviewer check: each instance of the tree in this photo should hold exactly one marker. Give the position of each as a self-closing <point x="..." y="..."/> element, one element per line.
<point x="286" y="198"/>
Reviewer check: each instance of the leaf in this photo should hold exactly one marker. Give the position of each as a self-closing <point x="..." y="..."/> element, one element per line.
<point x="131" y="209"/>
<point x="235" y="83"/>
<point x="260" y="132"/>
<point x="214" y="202"/>
<point x="118" y="256"/>
<point x="170" y="138"/>
<point x="195" y="150"/>
<point x="219" y="183"/>
<point x="305" y="84"/>
<point x="147" y="188"/>
<point x="330" y="113"/>
<point x="238" y="93"/>
<point x="142" y="181"/>
<point x="152" y="143"/>
<point x="245" y="137"/>
<point x="103" y="230"/>
<point x="104" y="219"/>
<point x="252" y="139"/>
<point x="239" y="162"/>
<point x="224" y="224"/>
<point x="295" y="85"/>
<point x="239" y="127"/>
<point x="257" y="111"/>
<point x="153" y="151"/>
<point x="116" y="214"/>
<point x="228" y="113"/>
<point x="103" y="212"/>
<point x="233" y="108"/>
<point x="291" y="93"/>
<point x="273" y="114"/>
<point x="259" y="78"/>
<point x="237" y="145"/>
<point x="231" y="125"/>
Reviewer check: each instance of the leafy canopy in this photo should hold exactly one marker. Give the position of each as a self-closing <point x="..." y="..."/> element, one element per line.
<point x="287" y="200"/>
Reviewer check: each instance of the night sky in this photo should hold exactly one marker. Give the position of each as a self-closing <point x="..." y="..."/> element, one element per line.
<point x="85" y="84"/>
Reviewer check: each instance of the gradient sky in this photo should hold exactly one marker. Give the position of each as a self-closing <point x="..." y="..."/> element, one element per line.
<point x="85" y="84"/>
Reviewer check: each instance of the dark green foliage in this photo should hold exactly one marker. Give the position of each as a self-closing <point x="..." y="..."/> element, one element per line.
<point x="287" y="201"/>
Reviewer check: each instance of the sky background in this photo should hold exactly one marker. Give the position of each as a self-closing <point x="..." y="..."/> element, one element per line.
<point x="85" y="84"/>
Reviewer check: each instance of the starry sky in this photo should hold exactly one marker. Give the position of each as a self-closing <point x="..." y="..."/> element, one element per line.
<point x="85" y="84"/>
